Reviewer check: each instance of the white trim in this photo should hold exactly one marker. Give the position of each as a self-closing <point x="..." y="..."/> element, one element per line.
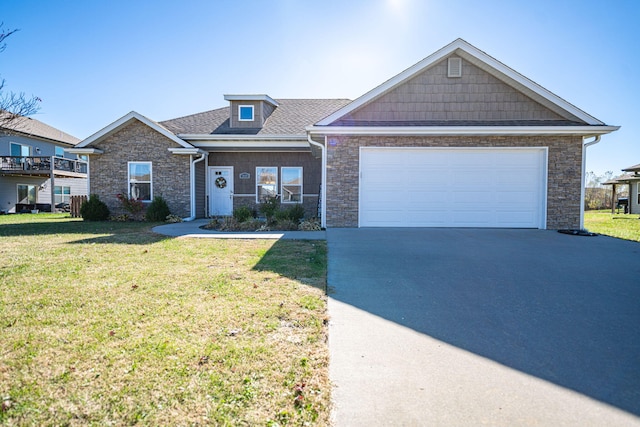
<point x="462" y="130"/>
<point x="209" y="137"/>
<point x="265" y="98"/>
<point x="150" y="179"/>
<point x="84" y="151"/>
<point x="257" y="195"/>
<point x="491" y="65"/>
<point x="253" y="144"/>
<point x="282" y="185"/>
<point x="191" y="151"/>
<point x="124" y="120"/>
<point x="253" y="115"/>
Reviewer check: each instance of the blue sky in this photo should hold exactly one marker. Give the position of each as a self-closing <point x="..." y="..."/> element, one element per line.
<point x="93" y="61"/>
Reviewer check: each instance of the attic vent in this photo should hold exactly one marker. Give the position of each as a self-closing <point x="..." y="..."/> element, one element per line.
<point x="455" y="67"/>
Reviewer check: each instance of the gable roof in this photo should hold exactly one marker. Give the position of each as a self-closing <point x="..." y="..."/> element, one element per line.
<point x="290" y="118"/>
<point x="483" y="61"/>
<point x="124" y="121"/>
<point x="31" y="127"/>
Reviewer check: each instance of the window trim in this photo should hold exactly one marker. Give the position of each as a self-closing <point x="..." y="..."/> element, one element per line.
<point x="141" y="182"/>
<point x="282" y="185"/>
<point x="258" y="185"/>
<point x="240" y="107"/>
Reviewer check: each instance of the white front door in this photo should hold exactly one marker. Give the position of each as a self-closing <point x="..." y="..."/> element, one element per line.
<point x="220" y="190"/>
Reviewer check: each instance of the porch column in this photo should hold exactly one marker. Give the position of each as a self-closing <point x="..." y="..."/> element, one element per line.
<point x="613" y="199"/>
<point x="53" y="183"/>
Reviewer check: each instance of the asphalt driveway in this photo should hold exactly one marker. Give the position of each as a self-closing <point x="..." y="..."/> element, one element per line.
<point x="483" y="326"/>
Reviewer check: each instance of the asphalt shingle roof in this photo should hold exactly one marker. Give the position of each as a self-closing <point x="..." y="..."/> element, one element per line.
<point x="30" y="126"/>
<point x="289" y="118"/>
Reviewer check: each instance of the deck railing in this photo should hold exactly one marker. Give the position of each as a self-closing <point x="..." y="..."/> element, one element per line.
<point x="41" y="163"/>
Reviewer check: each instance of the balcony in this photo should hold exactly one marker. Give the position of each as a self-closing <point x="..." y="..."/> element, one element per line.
<point x="42" y="166"/>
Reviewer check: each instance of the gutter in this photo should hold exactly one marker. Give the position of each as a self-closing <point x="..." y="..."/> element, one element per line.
<point x="192" y="184"/>
<point x="596" y="139"/>
<point x="461" y="130"/>
<point x="323" y="180"/>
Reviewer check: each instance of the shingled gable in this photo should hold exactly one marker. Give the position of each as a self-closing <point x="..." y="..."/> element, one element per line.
<point x="87" y="145"/>
<point x="510" y="103"/>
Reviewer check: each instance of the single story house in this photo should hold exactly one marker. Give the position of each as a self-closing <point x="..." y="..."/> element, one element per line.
<point x="632" y="179"/>
<point x="457" y="140"/>
<point x="35" y="171"/>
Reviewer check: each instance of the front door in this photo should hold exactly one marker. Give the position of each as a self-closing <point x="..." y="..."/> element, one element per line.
<point x="220" y="190"/>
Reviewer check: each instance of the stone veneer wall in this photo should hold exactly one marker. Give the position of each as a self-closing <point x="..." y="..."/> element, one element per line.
<point x="564" y="178"/>
<point x="137" y="142"/>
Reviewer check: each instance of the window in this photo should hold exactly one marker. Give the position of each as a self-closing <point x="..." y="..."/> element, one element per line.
<point x="245" y="113"/>
<point x="291" y="185"/>
<point x="27" y="193"/>
<point x="19" y="150"/>
<point x="140" y="181"/>
<point x="61" y="194"/>
<point x="59" y="152"/>
<point x="266" y="183"/>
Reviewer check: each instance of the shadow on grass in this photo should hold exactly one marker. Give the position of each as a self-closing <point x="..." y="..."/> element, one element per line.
<point x="131" y="233"/>
<point x="301" y="260"/>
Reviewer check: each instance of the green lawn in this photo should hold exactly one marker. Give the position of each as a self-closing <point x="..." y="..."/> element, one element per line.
<point x="110" y="324"/>
<point x="615" y="225"/>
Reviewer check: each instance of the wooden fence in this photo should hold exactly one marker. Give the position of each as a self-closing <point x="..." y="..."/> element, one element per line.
<point x="74" y="205"/>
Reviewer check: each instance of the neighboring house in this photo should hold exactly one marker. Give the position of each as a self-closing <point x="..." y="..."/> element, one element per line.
<point x="457" y="140"/>
<point x="35" y="170"/>
<point x="632" y="179"/>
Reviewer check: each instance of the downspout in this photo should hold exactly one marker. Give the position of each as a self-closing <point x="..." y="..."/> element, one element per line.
<point x="323" y="181"/>
<point x="192" y="183"/>
<point x="584" y="171"/>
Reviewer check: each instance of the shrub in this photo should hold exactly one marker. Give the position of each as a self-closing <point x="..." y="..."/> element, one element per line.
<point x="242" y="214"/>
<point x="269" y="207"/>
<point x="173" y="219"/>
<point x="310" y="225"/>
<point x="133" y="206"/>
<point x="158" y="210"/>
<point x="94" y="209"/>
<point x="293" y="213"/>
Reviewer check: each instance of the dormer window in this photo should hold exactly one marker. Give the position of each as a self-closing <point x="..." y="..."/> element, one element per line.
<point x="245" y="113"/>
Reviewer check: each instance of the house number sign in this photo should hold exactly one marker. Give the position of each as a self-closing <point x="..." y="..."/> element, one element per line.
<point x="245" y="175"/>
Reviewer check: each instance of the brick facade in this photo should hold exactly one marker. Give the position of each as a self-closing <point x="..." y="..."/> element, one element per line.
<point x="564" y="177"/>
<point x="137" y="142"/>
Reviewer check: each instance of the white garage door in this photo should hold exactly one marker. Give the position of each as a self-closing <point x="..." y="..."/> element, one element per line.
<point x="453" y="187"/>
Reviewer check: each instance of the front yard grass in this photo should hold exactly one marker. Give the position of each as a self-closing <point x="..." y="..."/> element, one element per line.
<point x="622" y="226"/>
<point x="110" y="324"/>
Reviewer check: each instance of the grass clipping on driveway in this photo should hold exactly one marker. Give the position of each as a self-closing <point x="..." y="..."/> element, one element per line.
<point x="108" y="323"/>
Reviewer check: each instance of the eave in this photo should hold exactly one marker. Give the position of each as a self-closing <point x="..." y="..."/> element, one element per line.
<point x="83" y="151"/>
<point x="247" y="142"/>
<point x="461" y="130"/>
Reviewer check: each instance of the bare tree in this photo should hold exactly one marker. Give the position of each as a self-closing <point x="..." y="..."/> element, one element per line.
<point x="14" y="106"/>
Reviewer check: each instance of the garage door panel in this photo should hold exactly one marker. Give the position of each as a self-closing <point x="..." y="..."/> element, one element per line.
<point x="415" y="187"/>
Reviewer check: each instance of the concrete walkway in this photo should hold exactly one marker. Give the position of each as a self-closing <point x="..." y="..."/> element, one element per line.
<point x="192" y="229"/>
<point x="467" y="327"/>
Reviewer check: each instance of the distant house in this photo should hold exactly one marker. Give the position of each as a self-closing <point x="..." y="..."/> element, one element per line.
<point x="35" y="170"/>
<point x="631" y="177"/>
<point x="457" y="140"/>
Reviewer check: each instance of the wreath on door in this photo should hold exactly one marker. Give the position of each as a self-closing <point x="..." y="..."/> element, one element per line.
<point x="221" y="182"/>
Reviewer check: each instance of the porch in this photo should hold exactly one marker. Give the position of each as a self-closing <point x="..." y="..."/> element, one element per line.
<point x="42" y="166"/>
